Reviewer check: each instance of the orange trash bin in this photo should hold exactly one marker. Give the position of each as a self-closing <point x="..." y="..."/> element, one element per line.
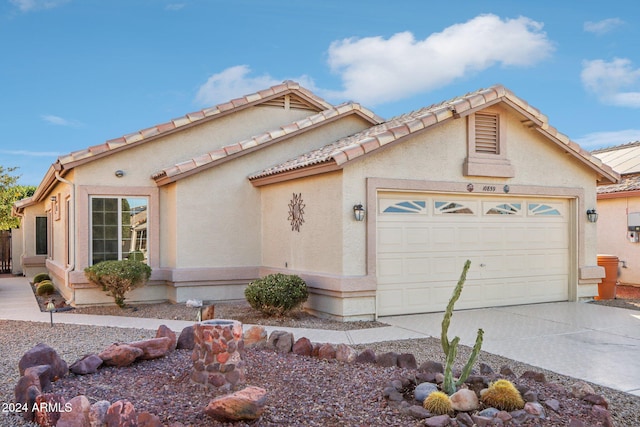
<point x="607" y="288"/>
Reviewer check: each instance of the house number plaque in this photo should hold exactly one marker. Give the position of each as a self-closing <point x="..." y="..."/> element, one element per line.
<point x="487" y="188"/>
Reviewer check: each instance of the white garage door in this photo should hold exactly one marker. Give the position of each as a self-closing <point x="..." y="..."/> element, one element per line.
<point x="519" y="251"/>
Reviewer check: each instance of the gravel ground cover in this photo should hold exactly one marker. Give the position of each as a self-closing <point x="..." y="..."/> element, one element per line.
<point x="302" y="391"/>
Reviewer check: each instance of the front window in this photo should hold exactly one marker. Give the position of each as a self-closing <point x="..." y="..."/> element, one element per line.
<point x="118" y="228"/>
<point x="42" y="235"/>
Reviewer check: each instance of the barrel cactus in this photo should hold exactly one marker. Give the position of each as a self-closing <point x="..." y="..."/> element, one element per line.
<point x="502" y="395"/>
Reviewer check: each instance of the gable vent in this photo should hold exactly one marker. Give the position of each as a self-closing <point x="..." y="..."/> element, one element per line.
<point x="487" y="134"/>
<point x="291" y="101"/>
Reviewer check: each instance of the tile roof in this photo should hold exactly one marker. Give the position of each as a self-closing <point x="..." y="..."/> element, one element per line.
<point x="624" y="159"/>
<point x="212" y="158"/>
<point x="627" y="183"/>
<point x="77" y="157"/>
<point x="352" y="147"/>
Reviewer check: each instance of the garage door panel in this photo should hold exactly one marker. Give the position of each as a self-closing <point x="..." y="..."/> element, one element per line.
<point x="516" y="258"/>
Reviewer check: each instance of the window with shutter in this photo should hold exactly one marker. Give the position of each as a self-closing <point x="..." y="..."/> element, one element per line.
<point x="486" y="145"/>
<point x="487" y="133"/>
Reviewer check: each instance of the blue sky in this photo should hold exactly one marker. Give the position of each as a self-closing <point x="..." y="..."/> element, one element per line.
<point x="75" y="73"/>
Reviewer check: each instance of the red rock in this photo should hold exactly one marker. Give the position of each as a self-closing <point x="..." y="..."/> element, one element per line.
<point x="76" y="413"/>
<point x="186" y="340"/>
<point x="43" y="372"/>
<point x="326" y="351"/>
<point x="89" y="364"/>
<point x="344" y="353"/>
<point x="366" y="356"/>
<point x="122" y="414"/>
<point x="147" y="419"/>
<point x="164" y="331"/>
<point x="98" y="413"/>
<point x="27" y="388"/>
<point x="47" y="409"/>
<point x="153" y="348"/>
<point x="120" y="355"/>
<point x="247" y="404"/>
<point x="42" y="354"/>
<point x="303" y="347"/>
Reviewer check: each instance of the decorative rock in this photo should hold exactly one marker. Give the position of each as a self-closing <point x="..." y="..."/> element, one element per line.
<point x="536" y="376"/>
<point x="464" y="400"/>
<point x="530" y="396"/>
<point x="255" y="335"/>
<point x="580" y="389"/>
<point x="464" y="420"/>
<point x="27" y="388"/>
<point x="122" y="414"/>
<point x="47" y="409"/>
<point x="437" y="421"/>
<point x="42" y="354"/>
<point x="485" y="369"/>
<point x="366" y="356"/>
<point x="395" y="396"/>
<point x="504" y="416"/>
<point x="387" y="360"/>
<point x="344" y="353"/>
<point x="407" y="361"/>
<point x="247" y="404"/>
<point x="147" y="419"/>
<point x="397" y="384"/>
<point x="77" y="413"/>
<point x="43" y="373"/>
<point x="89" y="364"/>
<point x="209" y="312"/>
<point x="417" y="411"/>
<point x="489" y="412"/>
<point x="535" y="409"/>
<point x="552" y="404"/>
<point x="477" y="383"/>
<point x="423" y="390"/>
<point x="425" y="377"/>
<point x="186" y="339"/>
<point x="431" y="366"/>
<point x="596" y="399"/>
<point x="153" y="348"/>
<point x="302" y="347"/>
<point x="439" y="378"/>
<point x="98" y="413"/>
<point x="602" y="414"/>
<point x="281" y="341"/>
<point x="165" y="331"/>
<point x="507" y="371"/>
<point x="481" y="421"/>
<point x="327" y="351"/>
<point x="120" y="355"/>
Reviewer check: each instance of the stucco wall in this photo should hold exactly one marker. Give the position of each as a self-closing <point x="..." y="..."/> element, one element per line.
<point x="612" y="235"/>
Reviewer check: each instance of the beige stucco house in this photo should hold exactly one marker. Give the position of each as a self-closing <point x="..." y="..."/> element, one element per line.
<point x="270" y="183"/>
<point x="619" y="210"/>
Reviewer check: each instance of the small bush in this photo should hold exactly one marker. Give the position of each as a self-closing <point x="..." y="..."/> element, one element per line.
<point x="276" y="294"/>
<point x="40" y="277"/>
<point x="118" y="277"/>
<point x="45" y="287"/>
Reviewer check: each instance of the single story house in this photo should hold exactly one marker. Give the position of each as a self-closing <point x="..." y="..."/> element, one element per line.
<point x="377" y="216"/>
<point x="619" y="210"/>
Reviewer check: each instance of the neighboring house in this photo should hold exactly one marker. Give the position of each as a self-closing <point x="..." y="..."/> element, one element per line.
<point x="619" y="210"/>
<point x="269" y="183"/>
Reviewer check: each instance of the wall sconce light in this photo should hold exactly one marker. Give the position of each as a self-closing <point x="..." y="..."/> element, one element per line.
<point x="358" y="212"/>
<point x="51" y="308"/>
<point x="53" y="199"/>
<point x="119" y="173"/>
<point x="592" y="215"/>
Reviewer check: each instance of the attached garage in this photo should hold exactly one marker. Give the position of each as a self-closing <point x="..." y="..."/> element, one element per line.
<point x="520" y="248"/>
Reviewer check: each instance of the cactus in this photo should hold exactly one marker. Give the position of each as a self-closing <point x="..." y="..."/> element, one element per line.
<point x="45" y="287"/>
<point x="438" y="403"/>
<point x="40" y="277"/>
<point x="450" y="348"/>
<point x="503" y="395"/>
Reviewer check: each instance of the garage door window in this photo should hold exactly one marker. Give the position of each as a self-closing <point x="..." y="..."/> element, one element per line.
<point x="451" y="207"/>
<point x="405" y="206"/>
<point x="503" y="208"/>
<point x="540" y="209"/>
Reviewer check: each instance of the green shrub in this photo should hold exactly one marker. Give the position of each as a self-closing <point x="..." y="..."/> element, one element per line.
<point x="45" y="287"/>
<point x="118" y="277"/>
<point x="40" y="277"/>
<point x="276" y="294"/>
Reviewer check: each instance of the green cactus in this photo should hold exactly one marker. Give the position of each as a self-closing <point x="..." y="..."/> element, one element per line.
<point x="450" y="348"/>
<point x="503" y="395"/>
<point x="438" y="403"/>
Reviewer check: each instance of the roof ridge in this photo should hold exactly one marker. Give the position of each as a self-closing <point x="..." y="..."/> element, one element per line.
<point x="616" y="147"/>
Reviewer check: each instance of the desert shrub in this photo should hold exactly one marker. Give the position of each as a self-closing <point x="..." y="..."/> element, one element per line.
<point x="276" y="294"/>
<point x="45" y="287"/>
<point x="40" y="277"/>
<point x="118" y="277"/>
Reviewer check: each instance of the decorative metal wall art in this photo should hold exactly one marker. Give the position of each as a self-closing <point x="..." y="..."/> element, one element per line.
<point x="296" y="212"/>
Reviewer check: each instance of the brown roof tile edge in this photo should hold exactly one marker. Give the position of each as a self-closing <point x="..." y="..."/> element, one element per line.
<point x="617" y="147"/>
<point x="190" y="118"/>
<point x="269" y="136"/>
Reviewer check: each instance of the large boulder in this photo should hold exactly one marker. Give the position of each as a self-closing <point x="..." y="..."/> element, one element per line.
<point x="76" y="413"/>
<point x="186" y="340"/>
<point x="302" y="347"/>
<point x="120" y="355"/>
<point x="153" y="348"/>
<point x="165" y="331"/>
<point x="88" y="364"/>
<point x="345" y="353"/>
<point x="98" y="413"/>
<point x="256" y="335"/>
<point x="246" y="404"/>
<point x="47" y="409"/>
<point x="464" y="400"/>
<point x="281" y="341"/>
<point x="42" y="354"/>
<point x="122" y="414"/>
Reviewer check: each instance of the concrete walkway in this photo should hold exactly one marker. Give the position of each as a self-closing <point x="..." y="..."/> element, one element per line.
<point x="595" y="343"/>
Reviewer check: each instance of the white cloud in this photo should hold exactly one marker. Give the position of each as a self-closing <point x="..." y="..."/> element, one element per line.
<point x="31" y="153"/>
<point x="602" y="27"/>
<point x="614" y="83"/>
<point x="235" y="82"/>
<point x="376" y="70"/>
<point x="31" y="5"/>
<point x="59" y="121"/>
<point x="597" y="140"/>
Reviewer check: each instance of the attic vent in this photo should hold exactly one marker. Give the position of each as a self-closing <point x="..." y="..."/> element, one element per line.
<point x="487" y="133"/>
<point x="291" y="101"/>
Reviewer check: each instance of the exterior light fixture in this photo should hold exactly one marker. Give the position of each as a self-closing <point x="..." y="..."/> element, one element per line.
<point x="358" y="212"/>
<point x="119" y="173"/>
<point x="592" y="215"/>
<point x="51" y="308"/>
<point x="53" y="199"/>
